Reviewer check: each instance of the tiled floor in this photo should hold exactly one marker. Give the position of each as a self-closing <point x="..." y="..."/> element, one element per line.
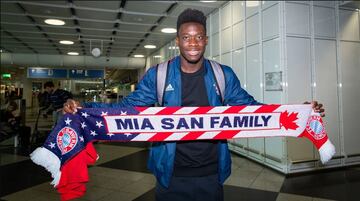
<point x="121" y="175"/>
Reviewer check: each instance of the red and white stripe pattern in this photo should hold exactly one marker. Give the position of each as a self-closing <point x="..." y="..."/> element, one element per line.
<point x="300" y="116"/>
<point x="225" y="134"/>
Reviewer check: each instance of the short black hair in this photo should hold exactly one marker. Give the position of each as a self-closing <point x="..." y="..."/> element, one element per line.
<point x="191" y="15"/>
<point x="49" y="84"/>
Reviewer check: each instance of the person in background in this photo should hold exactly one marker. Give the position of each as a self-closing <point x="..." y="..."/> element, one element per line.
<point x="55" y="99"/>
<point x="11" y="125"/>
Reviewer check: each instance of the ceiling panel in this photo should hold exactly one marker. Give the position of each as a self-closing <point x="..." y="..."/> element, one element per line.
<point x="16" y="27"/>
<point x="97" y="33"/>
<point x="10" y="7"/>
<point x="111" y="5"/>
<point x="96" y="25"/>
<point x="47" y="11"/>
<point x="139" y="18"/>
<point x="21" y="34"/>
<point x="132" y="35"/>
<point x="128" y="27"/>
<point x="60" y="3"/>
<point x="59" y="30"/>
<point x="96" y="15"/>
<point x="37" y="40"/>
<point x="14" y="18"/>
<point x="72" y="37"/>
<point x="156" y="7"/>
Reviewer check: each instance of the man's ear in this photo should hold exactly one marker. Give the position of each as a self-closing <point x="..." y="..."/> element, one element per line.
<point x="177" y="41"/>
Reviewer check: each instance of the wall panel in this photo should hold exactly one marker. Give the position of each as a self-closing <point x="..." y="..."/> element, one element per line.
<point x="239" y="66"/>
<point x="226" y="40"/>
<point x="252" y="31"/>
<point x="270" y="22"/>
<point x="226" y="19"/>
<point x="350" y="70"/>
<point x="297" y="19"/>
<point x="271" y="63"/>
<point x="349" y="25"/>
<point x="238" y="35"/>
<point x="326" y="90"/>
<point x="238" y="11"/>
<point x="253" y="76"/>
<point x="324" y="22"/>
<point x="299" y="90"/>
<point x="252" y="7"/>
<point x="226" y="59"/>
<point x="215" y="44"/>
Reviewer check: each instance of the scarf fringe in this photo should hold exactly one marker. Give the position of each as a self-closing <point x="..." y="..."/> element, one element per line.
<point x="326" y="151"/>
<point x="47" y="159"/>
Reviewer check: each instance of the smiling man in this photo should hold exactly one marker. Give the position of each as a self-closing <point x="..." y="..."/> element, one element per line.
<point x="188" y="170"/>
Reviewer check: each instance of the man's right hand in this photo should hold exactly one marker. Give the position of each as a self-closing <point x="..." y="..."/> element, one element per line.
<point x="71" y="106"/>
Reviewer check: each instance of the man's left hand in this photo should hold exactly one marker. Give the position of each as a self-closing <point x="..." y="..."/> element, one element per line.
<point x="318" y="107"/>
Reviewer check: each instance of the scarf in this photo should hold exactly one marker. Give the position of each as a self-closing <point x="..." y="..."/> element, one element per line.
<point x="68" y="149"/>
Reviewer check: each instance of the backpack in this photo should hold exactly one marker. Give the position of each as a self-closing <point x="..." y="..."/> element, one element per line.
<point x="161" y="77"/>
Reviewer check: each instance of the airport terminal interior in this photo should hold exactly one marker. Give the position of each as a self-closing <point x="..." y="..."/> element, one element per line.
<point x="283" y="52"/>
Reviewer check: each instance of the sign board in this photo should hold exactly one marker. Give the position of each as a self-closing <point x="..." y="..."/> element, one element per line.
<point x="34" y="72"/>
<point x="82" y="74"/>
<point x="273" y="81"/>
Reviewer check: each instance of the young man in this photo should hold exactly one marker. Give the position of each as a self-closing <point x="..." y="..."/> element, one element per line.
<point x="195" y="170"/>
<point x="55" y="99"/>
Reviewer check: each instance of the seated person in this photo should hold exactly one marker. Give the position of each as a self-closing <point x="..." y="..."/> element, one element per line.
<point x="11" y="126"/>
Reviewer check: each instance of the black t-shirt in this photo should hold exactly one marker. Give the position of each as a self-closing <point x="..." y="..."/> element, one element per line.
<point x="58" y="98"/>
<point x="195" y="158"/>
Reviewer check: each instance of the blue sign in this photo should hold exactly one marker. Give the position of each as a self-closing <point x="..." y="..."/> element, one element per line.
<point x="81" y="74"/>
<point x="34" y="72"/>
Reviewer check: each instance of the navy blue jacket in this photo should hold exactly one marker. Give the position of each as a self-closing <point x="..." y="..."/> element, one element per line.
<point x="162" y="154"/>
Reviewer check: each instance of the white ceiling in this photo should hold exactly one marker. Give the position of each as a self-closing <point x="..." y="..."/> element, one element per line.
<point x="131" y="25"/>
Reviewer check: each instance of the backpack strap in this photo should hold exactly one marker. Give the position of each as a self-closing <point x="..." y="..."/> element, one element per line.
<point x="219" y="78"/>
<point x="161" y="75"/>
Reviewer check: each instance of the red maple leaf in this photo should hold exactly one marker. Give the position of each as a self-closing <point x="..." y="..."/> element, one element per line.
<point x="288" y="120"/>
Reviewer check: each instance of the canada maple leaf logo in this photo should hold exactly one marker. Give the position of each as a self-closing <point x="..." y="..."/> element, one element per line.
<point x="288" y="120"/>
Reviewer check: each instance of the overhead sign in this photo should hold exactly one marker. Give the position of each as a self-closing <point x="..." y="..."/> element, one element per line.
<point x="81" y="74"/>
<point x="34" y="72"/>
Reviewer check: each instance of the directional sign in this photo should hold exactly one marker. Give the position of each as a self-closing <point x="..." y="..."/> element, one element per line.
<point x="34" y="72"/>
<point x="81" y="74"/>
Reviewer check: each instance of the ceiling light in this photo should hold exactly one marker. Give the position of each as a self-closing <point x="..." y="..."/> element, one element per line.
<point x="73" y="53"/>
<point x="252" y="3"/>
<point x="168" y="30"/>
<point x="66" y="42"/>
<point x="150" y="46"/>
<point x="173" y="47"/>
<point x="96" y="52"/>
<point x="1" y="50"/>
<point x="157" y="56"/>
<point x="54" y="22"/>
<point x="138" y="55"/>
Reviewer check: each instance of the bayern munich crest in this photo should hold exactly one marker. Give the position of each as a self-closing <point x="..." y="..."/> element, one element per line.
<point x="315" y="127"/>
<point x="66" y="140"/>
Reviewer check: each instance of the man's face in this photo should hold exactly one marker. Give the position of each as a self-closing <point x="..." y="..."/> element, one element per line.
<point x="49" y="89"/>
<point x="192" y="41"/>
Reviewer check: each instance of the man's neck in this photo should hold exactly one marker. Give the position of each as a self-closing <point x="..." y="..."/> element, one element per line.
<point x="54" y="91"/>
<point x="187" y="67"/>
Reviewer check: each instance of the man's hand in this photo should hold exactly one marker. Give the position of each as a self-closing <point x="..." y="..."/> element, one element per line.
<point x="318" y="107"/>
<point x="71" y="106"/>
